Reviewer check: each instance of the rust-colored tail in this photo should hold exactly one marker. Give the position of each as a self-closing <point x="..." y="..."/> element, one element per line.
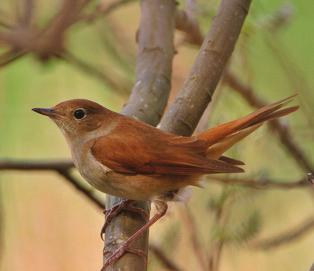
<point x="222" y="137"/>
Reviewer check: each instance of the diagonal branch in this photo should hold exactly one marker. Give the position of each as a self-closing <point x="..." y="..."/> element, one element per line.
<point x="163" y="258"/>
<point x="185" y="23"/>
<point x="103" y="9"/>
<point x="283" y="131"/>
<point x="119" y="85"/>
<point x="197" y="91"/>
<point x="283" y="238"/>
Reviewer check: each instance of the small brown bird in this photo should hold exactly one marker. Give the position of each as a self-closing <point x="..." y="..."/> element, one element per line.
<point x="124" y="157"/>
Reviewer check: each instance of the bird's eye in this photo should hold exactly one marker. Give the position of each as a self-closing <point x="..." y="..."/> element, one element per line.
<point x="79" y="113"/>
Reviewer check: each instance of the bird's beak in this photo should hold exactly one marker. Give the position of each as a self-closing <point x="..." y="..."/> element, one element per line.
<point x="45" y="111"/>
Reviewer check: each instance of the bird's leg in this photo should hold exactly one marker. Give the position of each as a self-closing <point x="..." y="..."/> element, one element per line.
<point x="125" y="204"/>
<point x="161" y="207"/>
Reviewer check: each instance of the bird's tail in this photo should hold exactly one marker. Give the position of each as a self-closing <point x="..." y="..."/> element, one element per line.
<point x="224" y="136"/>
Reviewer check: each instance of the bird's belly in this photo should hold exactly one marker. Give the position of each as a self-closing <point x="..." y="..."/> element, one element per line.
<point x="139" y="187"/>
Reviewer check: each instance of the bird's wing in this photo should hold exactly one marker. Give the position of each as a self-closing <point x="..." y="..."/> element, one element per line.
<point x="142" y="149"/>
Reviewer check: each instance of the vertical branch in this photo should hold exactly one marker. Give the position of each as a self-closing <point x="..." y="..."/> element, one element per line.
<point x="193" y="236"/>
<point x="147" y="102"/>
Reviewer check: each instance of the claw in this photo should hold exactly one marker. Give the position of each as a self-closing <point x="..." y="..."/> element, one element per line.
<point x="110" y="214"/>
<point x="125" y="247"/>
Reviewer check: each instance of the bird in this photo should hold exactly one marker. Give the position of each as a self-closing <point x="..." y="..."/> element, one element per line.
<point x="128" y="158"/>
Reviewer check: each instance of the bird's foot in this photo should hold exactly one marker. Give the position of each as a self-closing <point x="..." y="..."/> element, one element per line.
<point x="161" y="208"/>
<point x="117" y="254"/>
<point x="125" y="204"/>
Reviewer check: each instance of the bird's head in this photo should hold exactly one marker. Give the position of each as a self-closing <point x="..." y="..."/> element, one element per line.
<point x="78" y="117"/>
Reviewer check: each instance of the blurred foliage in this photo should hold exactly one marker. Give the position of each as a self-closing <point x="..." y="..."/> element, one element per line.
<point x="46" y="225"/>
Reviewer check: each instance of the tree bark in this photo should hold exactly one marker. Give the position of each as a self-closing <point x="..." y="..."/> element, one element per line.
<point x="147" y="103"/>
<point x="184" y="114"/>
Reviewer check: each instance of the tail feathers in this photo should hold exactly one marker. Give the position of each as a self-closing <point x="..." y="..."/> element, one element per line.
<point x="216" y="150"/>
<point x="268" y="112"/>
<point x="231" y="161"/>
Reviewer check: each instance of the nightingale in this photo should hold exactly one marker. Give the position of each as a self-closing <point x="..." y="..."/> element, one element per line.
<point x="124" y="157"/>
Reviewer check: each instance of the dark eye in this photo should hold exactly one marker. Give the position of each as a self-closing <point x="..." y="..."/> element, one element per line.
<point x="79" y="113"/>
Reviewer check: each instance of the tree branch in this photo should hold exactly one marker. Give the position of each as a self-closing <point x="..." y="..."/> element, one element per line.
<point x="88" y="193"/>
<point x="283" y="238"/>
<point x="283" y="131"/>
<point x="119" y="85"/>
<point x="264" y="182"/>
<point x="61" y="167"/>
<point x="58" y="165"/>
<point x="147" y="102"/>
<point x="216" y="49"/>
<point x="193" y="236"/>
<point x="187" y="24"/>
<point x="163" y="258"/>
<point x="103" y="9"/>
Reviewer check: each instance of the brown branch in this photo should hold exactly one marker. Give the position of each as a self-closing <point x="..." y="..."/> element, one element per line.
<point x="88" y="193"/>
<point x="287" y="237"/>
<point x="61" y="167"/>
<point x="103" y="9"/>
<point x="221" y="215"/>
<point x="147" y="102"/>
<point x="190" y="26"/>
<point x="263" y="183"/>
<point x="283" y="131"/>
<point x="119" y="85"/>
<point x="186" y="24"/>
<point x="163" y="258"/>
<point x="10" y="56"/>
<point x="194" y="238"/>
<point x="198" y="89"/>
<point x="57" y="165"/>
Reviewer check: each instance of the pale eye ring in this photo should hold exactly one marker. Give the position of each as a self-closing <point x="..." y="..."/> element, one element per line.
<point x="79" y="113"/>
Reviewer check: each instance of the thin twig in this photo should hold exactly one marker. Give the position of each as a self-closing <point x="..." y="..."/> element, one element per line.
<point x="88" y="193"/>
<point x="10" y="56"/>
<point x="222" y="213"/>
<point x="58" y="165"/>
<point x="61" y="167"/>
<point x="103" y="9"/>
<point x="263" y="183"/>
<point x="283" y="131"/>
<point x="119" y="85"/>
<point x="193" y="236"/>
<point x="163" y="258"/>
<point x="287" y="237"/>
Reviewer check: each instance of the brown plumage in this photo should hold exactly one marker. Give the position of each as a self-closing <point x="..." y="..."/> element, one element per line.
<point x="128" y="158"/>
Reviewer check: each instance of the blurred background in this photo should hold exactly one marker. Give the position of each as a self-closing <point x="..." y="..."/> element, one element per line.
<point x="45" y="224"/>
